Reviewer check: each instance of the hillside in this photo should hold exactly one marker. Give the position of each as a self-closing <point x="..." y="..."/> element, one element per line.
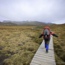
<point x="7" y="23"/>
<point x="36" y="23"/>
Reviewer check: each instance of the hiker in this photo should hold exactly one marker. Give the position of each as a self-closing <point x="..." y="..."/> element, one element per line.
<point x="46" y="35"/>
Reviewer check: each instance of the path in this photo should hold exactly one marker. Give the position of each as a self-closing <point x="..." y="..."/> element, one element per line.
<point x="43" y="58"/>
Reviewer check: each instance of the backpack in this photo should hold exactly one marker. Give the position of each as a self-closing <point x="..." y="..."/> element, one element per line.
<point x="46" y="33"/>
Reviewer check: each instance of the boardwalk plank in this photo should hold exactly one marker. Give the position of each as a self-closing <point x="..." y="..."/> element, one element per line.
<point x="43" y="58"/>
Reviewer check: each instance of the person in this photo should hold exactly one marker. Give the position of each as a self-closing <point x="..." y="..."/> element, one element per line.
<point x="46" y="35"/>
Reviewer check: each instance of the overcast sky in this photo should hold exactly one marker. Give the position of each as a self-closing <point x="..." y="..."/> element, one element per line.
<point x="33" y="10"/>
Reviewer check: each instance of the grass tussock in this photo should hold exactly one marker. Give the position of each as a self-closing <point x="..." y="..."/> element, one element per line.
<point x="17" y="45"/>
<point x="59" y="44"/>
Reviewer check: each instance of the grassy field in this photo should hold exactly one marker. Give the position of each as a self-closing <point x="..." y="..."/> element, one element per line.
<point x="18" y="44"/>
<point x="59" y="43"/>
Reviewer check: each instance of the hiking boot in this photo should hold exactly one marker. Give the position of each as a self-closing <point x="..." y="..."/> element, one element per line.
<point x="46" y="51"/>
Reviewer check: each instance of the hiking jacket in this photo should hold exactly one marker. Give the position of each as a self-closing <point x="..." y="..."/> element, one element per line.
<point x="51" y="33"/>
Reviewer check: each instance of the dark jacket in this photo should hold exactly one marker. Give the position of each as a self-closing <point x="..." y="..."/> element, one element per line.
<point x="51" y="33"/>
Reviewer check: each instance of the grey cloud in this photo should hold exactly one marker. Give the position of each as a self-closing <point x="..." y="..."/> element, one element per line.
<point x="40" y="10"/>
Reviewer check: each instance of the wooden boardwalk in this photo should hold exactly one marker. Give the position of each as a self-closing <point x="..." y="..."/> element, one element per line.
<point x="43" y="58"/>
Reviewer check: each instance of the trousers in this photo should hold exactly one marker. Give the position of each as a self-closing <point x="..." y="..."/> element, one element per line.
<point x="46" y="46"/>
<point x="47" y="43"/>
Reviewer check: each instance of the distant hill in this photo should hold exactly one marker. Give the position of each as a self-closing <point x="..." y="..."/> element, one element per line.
<point x="30" y="23"/>
<point x="7" y="23"/>
<point x="24" y="23"/>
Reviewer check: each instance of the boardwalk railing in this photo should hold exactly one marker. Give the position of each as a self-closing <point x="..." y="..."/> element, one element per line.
<point x="43" y="58"/>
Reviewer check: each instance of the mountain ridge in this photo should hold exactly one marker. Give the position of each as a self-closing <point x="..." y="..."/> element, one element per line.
<point x="24" y="23"/>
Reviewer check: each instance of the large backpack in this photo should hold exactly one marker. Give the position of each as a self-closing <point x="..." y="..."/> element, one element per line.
<point x="46" y="33"/>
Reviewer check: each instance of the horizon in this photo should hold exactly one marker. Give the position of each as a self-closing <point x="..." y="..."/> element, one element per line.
<point x="5" y="21"/>
<point x="33" y="10"/>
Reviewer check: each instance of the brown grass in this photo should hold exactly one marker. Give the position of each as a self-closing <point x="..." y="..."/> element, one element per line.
<point x="18" y="44"/>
